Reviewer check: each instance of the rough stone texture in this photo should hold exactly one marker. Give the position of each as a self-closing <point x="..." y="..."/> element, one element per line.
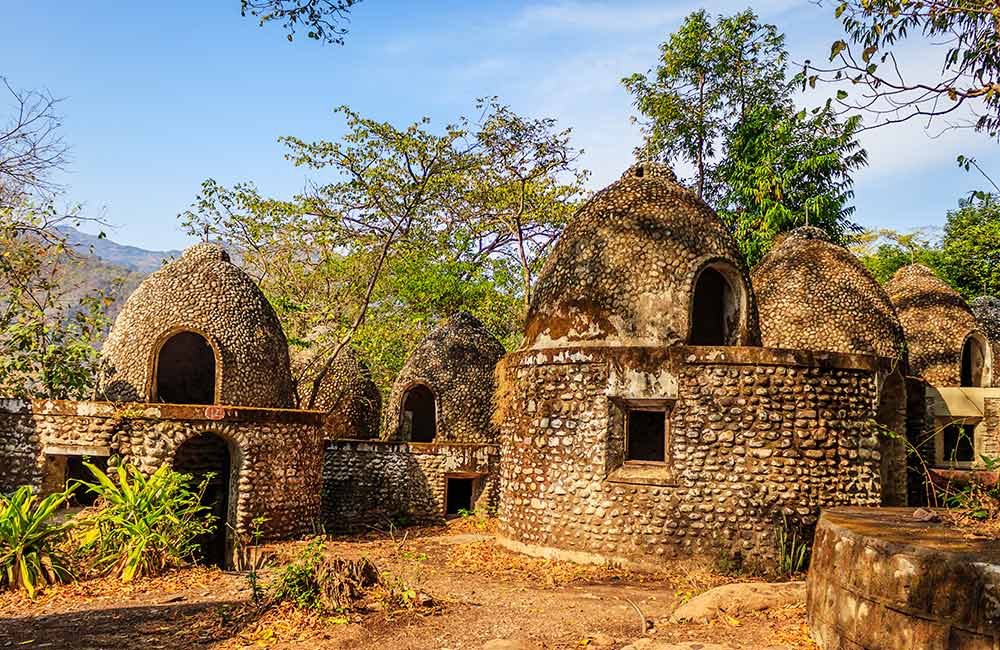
<point x="879" y="580"/>
<point x="753" y="434"/>
<point x="369" y="483"/>
<point x="456" y="361"/>
<point x="205" y="293"/>
<point x="347" y="393"/>
<point x="987" y="312"/>
<point x="738" y="599"/>
<point x="937" y="322"/>
<point x="276" y="455"/>
<point x="815" y="295"/>
<point x="623" y="271"/>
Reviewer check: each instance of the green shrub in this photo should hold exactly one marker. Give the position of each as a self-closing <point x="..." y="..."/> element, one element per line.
<point x="142" y="526"/>
<point x="30" y="555"/>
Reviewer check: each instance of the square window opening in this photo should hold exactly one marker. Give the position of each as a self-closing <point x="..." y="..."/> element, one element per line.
<point x="646" y="436"/>
<point x="959" y="443"/>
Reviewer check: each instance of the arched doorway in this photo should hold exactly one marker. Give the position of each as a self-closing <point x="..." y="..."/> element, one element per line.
<point x="715" y="310"/>
<point x="891" y="419"/>
<point x="419" y="414"/>
<point x="198" y="457"/>
<point x="975" y="362"/>
<point x="185" y="370"/>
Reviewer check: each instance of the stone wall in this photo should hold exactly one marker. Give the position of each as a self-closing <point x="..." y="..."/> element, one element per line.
<point x="276" y="455"/>
<point x="753" y="434"/>
<point x="372" y="483"/>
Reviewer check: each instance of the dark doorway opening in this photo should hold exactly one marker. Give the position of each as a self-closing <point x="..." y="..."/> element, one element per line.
<point x="75" y="471"/>
<point x="646" y="436"/>
<point x="419" y="414"/>
<point x="959" y="443"/>
<point x="459" y="495"/>
<point x="973" y="363"/>
<point x="714" y="311"/>
<point x="199" y="457"/>
<point x="185" y="370"/>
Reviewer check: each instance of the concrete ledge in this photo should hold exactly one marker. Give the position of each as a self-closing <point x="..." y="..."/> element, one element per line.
<point x="149" y="411"/>
<point x="881" y="580"/>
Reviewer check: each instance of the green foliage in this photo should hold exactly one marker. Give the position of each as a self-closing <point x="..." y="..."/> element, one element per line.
<point x="324" y="19"/>
<point x="793" y="547"/>
<point x="48" y="340"/>
<point x="874" y="81"/>
<point x="30" y="543"/>
<point x="413" y="225"/>
<point x="142" y="525"/>
<point x="720" y="100"/>
<point x="970" y="249"/>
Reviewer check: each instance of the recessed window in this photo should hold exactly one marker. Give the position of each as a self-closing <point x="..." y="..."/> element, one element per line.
<point x="974" y="362"/>
<point x="419" y="421"/>
<point x="959" y="443"/>
<point x="715" y="310"/>
<point x="646" y="436"/>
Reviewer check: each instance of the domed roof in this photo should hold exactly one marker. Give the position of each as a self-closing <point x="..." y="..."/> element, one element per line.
<point x="624" y="270"/>
<point x="456" y="362"/>
<point x="815" y="295"/>
<point x="987" y="310"/>
<point x="201" y="293"/>
<point x="346" y="392"/>
<point x="937" y="321"/>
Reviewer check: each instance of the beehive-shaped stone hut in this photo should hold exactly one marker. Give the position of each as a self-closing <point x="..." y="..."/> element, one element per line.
<point x="445" y="390"/>
<point x="945" y="342"/>
<point x="815" y="295"/>
<point x="987" y="311"/>
<point x="346" y="392"/>
<point x="645" y="262"/>
<point x="639" y="420"/>
<point x="198" y="331"/>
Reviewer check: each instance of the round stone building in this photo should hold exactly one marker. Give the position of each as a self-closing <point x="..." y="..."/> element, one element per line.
<point x="987" y="311"/>
<point x="197" y="331"/>
<point x="444" y="391"/>
<point x="641" y="420"/>
<point x="946" y="345"/>
<point x="346" y="393"/>
<point x="815" y="295"/>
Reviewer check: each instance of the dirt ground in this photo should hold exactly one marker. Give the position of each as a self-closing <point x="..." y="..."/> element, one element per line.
<point x="479" y="591"/>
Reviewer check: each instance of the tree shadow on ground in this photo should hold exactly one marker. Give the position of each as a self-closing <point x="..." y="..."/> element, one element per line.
<point x="173" y="627"/>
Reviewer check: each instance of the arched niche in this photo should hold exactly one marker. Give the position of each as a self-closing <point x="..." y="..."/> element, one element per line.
<point x="208" y="456"/>
<point x="891" y="418"/>
<point x="419" y="414"/>
<point x="976" y="361"/>
<point x="185" y="370"/>
<point x="718" y="306"/>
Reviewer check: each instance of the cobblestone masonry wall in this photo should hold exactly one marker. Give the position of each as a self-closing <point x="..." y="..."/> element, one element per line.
<point x="456" y="361"/>
<point x="990" y="445"/>
<point x="205" y="293"/>
<point x="936" y="320"/>
<point x="369" y="483"/>
<point x="277" y="455"/>
<point x="347" y="393"/>
<point x="987" y="311"/>
<point x="753" y="433"/>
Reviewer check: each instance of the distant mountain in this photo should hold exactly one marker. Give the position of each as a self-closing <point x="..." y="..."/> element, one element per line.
<point x="131" y="258"/>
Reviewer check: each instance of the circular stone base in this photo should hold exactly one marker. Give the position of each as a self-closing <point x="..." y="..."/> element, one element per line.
<point x="881" y="580"/>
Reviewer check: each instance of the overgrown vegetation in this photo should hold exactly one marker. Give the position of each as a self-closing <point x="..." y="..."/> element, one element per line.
<point x="32" y="552"/>
<point x="142" y="525"/>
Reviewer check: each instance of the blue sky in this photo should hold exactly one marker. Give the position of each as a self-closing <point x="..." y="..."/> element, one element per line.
<point x="161" y="95"/>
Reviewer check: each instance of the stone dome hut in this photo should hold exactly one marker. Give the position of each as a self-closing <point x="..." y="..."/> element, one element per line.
<point x="444" y="391"/>
<point x="946" y="345"/>
<point x="640" y="421"/>
<point x="987" y="311"/>
<point x="815" y="295"/>
<point x="644" y="262"/>
<point x="347" y="393"/>
<point x="197" y="331"/>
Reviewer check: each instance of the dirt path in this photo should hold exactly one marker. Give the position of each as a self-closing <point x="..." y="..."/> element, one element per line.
<point x="480" y="591"/>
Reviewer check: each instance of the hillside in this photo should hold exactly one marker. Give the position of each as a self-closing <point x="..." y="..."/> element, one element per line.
<point x="130" y="258"/>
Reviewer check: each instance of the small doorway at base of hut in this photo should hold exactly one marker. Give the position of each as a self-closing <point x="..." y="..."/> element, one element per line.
<point x="419" y="421"/>
<point x="207" y="457"/>
<point x="65" y="465"/>
<point x="460" y="494"/>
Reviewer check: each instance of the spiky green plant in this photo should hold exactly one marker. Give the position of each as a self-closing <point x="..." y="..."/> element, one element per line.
<point x="142" y="525"/>
<point x="30" y="541"/>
